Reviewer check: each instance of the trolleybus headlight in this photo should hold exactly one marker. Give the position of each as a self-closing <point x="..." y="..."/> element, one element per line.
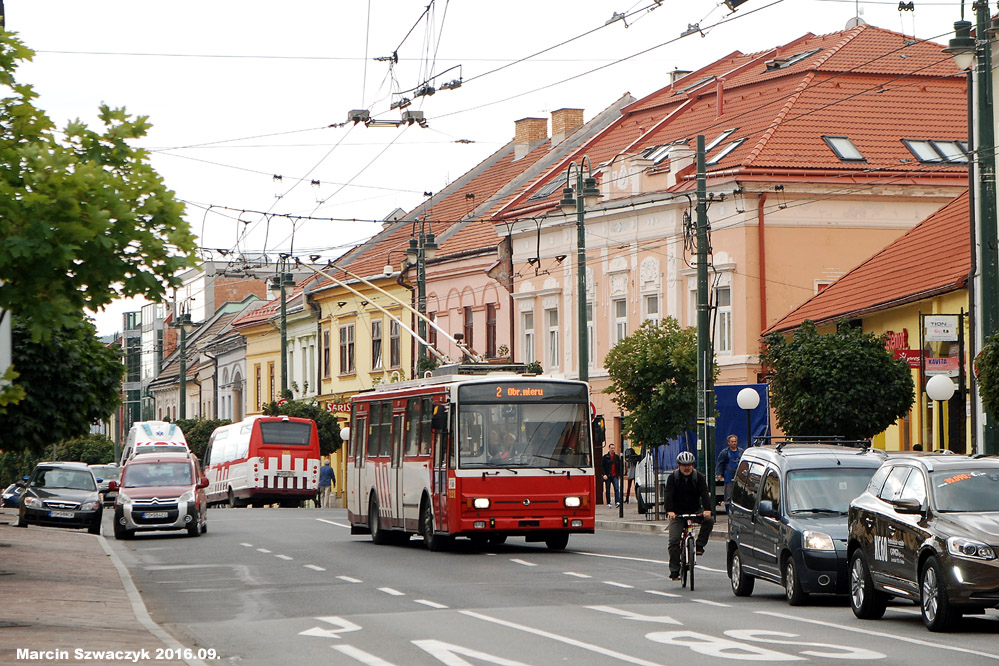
<point x="480" y="503"/>
<point x="572" y="502"/>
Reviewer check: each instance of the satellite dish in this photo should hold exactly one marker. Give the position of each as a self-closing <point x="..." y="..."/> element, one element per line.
<point x="856" y="21"/>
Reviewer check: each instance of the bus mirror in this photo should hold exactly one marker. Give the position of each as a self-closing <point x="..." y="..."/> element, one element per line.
<point x="439" y="420"/>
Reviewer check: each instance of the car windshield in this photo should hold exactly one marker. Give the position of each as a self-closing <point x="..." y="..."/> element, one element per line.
<point x="966" y="490"/>
<point x="72" y="479"/>
<point x="826" y="490"/>
<point x="148" y="475"/>
<point x="107" y="473"/>
<point x="523" y="435"/>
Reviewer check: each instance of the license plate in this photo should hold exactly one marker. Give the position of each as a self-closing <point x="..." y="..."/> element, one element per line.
<point x="154" y="514"/>
<point x="62" y="514"/>
<point x="285" y="473"/>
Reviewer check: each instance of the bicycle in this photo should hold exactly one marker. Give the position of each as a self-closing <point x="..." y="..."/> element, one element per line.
<point x="688" y="548"/>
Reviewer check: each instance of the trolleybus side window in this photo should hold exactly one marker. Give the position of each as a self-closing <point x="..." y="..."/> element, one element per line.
<point x="426" y="416"/>
<point x="398" y="439"/>
<point x="360" y="440"/>
<point x="374" y="427"/>
<point x="413" y="427"/>
<point x="385" y="443"/>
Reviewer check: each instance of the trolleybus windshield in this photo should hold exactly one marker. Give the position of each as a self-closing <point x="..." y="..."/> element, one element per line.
<point x="523" y="425"/>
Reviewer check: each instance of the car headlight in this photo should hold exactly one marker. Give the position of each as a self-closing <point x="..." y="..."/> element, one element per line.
<point x="817" y="541"/>
<point x="572" y="501"/>
<point x="123" y="499"/>
<point x="975" y="550"/>
<point x="90" y="506"/>
<point x="33" y="503"/>
<point x="480" y="503"/>
<point x="187" y="497"/>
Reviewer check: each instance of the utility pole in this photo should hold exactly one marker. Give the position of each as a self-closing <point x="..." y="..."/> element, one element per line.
<point x="705" y="354"/>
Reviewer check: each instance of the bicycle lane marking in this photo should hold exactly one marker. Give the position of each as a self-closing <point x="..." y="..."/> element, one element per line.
<point x="879" y="634"/>
<point x="700" y="567"/>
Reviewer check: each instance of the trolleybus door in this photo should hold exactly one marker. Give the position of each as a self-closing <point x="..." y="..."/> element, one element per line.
<point x="440" y="458"/>
<point x="398" y="443"/>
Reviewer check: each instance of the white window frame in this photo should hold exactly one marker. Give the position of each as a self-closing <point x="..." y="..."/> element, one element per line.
<point x="650" y="316"/>
<point x="527" y="324"/>
<point x="723" y="321"/>
<point x="346" y="349"/>
<point x="551" y="339"/>
<point x="377" y="352"/>
<point x="619" y="323"/>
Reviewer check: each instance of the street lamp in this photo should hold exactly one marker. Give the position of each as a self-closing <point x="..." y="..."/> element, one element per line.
<point x="185" y="325"/>
<point x="748" y="400"/>
<point x="967" y="51"/>
<point x="940" y="388"/>
<point x="421" y="249"/>
<point x="282" y="281"/>
<point x="589" y="195"/>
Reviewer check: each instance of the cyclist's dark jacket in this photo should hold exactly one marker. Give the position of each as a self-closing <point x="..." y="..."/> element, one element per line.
<point x="687" y="494"/>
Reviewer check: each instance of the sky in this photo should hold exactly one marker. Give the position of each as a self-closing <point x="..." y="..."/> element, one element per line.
<point x="249" y="100"/>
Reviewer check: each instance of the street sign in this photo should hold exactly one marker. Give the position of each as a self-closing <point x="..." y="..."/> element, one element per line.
<point x="946" y="365"/>
<point x="940" y="328"/>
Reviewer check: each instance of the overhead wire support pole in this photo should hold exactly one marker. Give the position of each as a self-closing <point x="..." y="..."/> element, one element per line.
<point x="705" y="371"/>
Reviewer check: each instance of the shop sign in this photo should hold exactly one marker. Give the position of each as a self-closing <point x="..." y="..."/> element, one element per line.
<point x="946" y="365"/>
<point x="910" y="355"/>
<point x="940" y="328"/>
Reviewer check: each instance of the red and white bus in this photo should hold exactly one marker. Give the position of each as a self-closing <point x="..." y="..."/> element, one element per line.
<point x="263" y="460"/>
<point x="483" y="456"/>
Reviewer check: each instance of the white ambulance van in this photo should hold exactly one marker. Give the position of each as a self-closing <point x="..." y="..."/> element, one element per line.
<point x="153" y="437"/>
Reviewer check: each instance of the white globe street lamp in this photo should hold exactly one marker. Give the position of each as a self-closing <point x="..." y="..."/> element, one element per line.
<point x="940" y="388"/>
<point x="748" y="400"/>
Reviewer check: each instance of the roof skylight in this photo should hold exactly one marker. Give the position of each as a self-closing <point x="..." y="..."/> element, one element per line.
<point x="725" y="151"/>
<point x="937" y="151"/>
<point x="718" y="139"/>
<point x="843" y="147"/>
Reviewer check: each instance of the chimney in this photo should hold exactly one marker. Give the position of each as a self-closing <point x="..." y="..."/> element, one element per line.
<point x="528" y="133"/>
<point x="719" y="96"/>
<point x="564" y="123"/>
<point x="677" y="74"/>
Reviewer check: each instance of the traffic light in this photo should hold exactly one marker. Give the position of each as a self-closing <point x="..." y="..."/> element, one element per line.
<point x="599" y="430"/>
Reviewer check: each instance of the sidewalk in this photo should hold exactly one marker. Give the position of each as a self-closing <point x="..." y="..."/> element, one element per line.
<point x="632" y="521"/>
<point x="63" y="596"/>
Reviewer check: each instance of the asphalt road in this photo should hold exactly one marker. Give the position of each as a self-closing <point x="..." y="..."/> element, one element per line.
<point x="272" y="586"/>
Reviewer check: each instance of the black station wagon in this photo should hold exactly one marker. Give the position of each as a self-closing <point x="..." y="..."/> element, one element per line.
<point x="788" y="521"/>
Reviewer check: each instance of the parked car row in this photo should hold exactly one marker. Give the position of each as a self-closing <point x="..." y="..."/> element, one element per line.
<point x="826" y="518"/>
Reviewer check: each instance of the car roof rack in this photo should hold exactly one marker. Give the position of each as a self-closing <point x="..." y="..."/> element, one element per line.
<point x="780" y="441"/>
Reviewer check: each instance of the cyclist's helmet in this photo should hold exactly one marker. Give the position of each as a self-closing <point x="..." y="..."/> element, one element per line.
<point x="685" y="458"/>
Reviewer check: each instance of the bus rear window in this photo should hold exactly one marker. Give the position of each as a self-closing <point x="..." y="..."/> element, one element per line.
<point x="286" y="433"/>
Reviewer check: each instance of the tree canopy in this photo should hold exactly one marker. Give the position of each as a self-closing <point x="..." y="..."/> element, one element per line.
<point x="654" y="380"/>
<point x="71" y="380"/>
<point x="326" y="423"/>
<point x="987" y="374"/>
<point x="84" y="218"/>
<point x="845" y="383"/>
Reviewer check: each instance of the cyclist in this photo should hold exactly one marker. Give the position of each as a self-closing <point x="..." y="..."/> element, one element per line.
<point x="686" y="492"/>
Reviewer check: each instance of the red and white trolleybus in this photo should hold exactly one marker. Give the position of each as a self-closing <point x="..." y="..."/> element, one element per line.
<point x="486" y="456"/>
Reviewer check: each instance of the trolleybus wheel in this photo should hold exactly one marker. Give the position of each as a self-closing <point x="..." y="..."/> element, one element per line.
<point x="557" y="541"/>
<point x="433" y="541"/>
<point x="378" y="535"/>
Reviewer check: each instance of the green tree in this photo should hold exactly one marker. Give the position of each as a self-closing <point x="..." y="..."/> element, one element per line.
<point x="987" y="374"/>
<point x="91" y="449"/>
<point x="844" y="383"/>
<point x="84" y="218"/>
<point x="653" y="375"/>
<point x="326" y="423"/>
<point x="197" y="432"/>
<point x="71" y="380"/>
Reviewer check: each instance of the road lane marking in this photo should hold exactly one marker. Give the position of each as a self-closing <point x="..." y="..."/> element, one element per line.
<point x="361" y="655"/>
<point x="393" y="592"/>
<point x="711" y="603"/>
<point x="427" y="602"/>
<point x="263" y="550"/>
<point x="333" y="522"/>
<point x="577" y="575"/>
<point x="880" y="634"/>
<point x="313" y="567"/>
<point x="248" y="545"/>
<point x="700" y="567"/>
<point x="524" y="562"/>
<point x="630" y="615"/>
<point x="610" y="582"/>
<point x="348" y="579"/>
<point x="562" y="639"/>
<point x="663" y="594"/>
<point x="284" y="557"/>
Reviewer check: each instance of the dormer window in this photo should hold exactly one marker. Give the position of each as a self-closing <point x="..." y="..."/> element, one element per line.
<point x="718" y="139"/>
<point x="784" y="63"/>
<point x="548" y="190"/>
<point x="844" y="148"/>
<point x="725" y="151"/>
<point x="937" y="151"/>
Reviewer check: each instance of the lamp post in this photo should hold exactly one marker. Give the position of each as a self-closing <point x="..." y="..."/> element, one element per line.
<point x="282" y="281"/>
<point x="967" y="51"/>
<point x="185" y="326"/>
<point x="940" y="388"/>
<point x="748" y="400"/>
<point x="421" y="249"/>
<point x="588" y="195"/>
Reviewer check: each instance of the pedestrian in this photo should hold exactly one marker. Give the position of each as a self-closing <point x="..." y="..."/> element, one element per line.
<point x="612" y="469"/>
<point x="726" y="464"/>
<point x="326" y="480"/>
<point x="630" y="463"/>
<point x="686" y="493"/>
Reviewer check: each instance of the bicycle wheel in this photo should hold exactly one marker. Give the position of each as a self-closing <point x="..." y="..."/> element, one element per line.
<point x="691" y="559"/>
<point x="684" y="565"/>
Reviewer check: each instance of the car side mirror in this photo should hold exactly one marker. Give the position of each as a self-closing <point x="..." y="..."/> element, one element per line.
<point x="767" y="509"/>
<point x="112" y="485"/>
<point x="908" y="506"/>
<point x="203" y="483"/>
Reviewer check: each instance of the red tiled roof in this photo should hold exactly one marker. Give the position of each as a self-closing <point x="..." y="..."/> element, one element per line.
<point x="934" y="257"/>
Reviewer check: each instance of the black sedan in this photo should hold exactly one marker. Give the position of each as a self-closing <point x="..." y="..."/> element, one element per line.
<point x="11" y="496"/>
<point x="61" y="494"/>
